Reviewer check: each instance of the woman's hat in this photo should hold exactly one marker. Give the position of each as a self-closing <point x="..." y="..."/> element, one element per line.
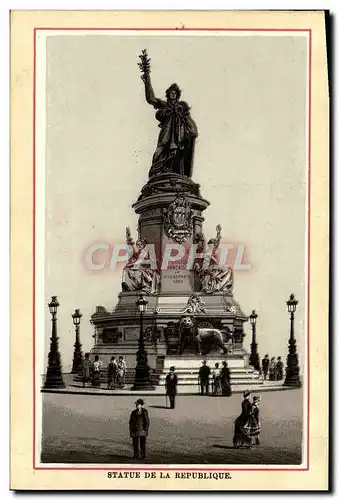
<point x="246" y="393"/>
<point x="256" y="398"/>
<point x="139" y="402"/>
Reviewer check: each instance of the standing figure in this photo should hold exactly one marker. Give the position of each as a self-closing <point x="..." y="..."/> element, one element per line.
<point x="171" y="386"/>
<point x="273" y="369"/>
<point x="265" y="364"/>
<point x="86" y="370"/>
<point x="226" y="389"/>
<point x="280" y="369"/>
<point x="175" y="148"/>
<point x="96" y="381"/>
<point x="261" y="375"/>
<point x="121" y="372"/>
<point x="138" y="428"/>
<point x="217" y="391"/>
<point x="154" y="338"/>
<point x="204" y="376"/>
<point x="112" y="373"/>
<point x="243" y="424"/>
<point x="255" y="429"/>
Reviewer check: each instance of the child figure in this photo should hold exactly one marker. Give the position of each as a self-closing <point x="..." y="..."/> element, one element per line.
<point x="255" y="430"/>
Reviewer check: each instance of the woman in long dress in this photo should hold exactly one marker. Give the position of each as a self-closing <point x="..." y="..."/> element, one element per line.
<point x="255" y="429"/>
<point x="96" y="381"/>
<point x="86" y="370"/>
<point x="272" y="369"/>
<point x="121" y="373"/>
<point x="216" y="374"/>
<point x="225" y="380"/>
<point x="112" y="373"/>
<point x="280" y="369"/>
<point x="243" y="424"/>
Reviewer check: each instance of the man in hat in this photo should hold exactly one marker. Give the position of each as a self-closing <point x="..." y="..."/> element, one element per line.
<point x="138" y="428"/>
<point x="171" y="386"/>
<point x="265" y="364"/>
<point x="204" y="376"/>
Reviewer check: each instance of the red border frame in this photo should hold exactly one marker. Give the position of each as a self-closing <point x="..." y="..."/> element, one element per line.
<point x="89" y="468"/>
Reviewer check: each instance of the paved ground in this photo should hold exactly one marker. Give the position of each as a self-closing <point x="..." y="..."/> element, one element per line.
<point x="85" y="429"/>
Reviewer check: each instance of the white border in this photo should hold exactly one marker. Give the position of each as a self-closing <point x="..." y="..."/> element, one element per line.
<point x="40" y="166"/>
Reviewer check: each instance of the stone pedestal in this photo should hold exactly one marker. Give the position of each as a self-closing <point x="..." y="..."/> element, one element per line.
<point x="169" y="210"/>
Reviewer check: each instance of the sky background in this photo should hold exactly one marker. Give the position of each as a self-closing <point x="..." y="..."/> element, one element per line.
<point x="248" y="98"/>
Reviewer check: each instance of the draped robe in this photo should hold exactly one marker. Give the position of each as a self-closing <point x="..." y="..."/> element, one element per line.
<point x="175" y="148"/>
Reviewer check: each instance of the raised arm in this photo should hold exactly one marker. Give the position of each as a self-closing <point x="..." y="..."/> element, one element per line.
<point x="218" y="237"/>
<point x="145" y="67"/>
<point x="149" y="92"/>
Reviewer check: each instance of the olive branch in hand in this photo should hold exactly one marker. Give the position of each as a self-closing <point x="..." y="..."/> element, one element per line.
<point x="145" y="63"/>
<point x="129" y="239"/>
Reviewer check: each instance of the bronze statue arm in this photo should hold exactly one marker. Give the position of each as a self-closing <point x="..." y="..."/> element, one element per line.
<point x="149" y="92"/>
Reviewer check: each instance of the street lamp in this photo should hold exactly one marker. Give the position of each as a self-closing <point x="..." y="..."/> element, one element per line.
<point x="54" y="376"/>
<point x="77" y="356"/>
<point x="254" y="356"/>
<point x="292" y="364"/>
<point x="142" y="379"/>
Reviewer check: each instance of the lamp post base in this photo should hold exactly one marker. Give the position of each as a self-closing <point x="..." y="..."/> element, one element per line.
<point x="292" y="378"/>
<point x="254" y="359"/>
<point x="142" y="380"/>
<point x="54" y="380"/>
<point x="77" y="362"/>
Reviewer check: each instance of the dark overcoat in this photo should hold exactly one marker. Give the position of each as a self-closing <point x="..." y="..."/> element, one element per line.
<point x="171" y="384"/>
<point x="139" y="423"/>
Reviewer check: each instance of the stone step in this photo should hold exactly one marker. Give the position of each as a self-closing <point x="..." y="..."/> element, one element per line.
<point x="194" y="380"/>
<point x="188" y="369"/>
<point x="245" y="383"/>
<point x="187" y="376"/>
<point x="195" y="362"/>
<point x="236" y="388"/>
<point x="196" y="370"/>
<point x="190" y="376"/>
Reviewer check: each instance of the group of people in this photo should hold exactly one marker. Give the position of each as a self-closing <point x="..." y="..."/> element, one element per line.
<point x="221" y="382"/>
<point x="92" y="372"/>
<point x="221" y="379"/>
<point x="272" y="369"/>
<point x="246" y="425"/>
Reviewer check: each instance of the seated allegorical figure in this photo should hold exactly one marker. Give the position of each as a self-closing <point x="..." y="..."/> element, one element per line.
<point x="138" y="273"/>
<point x="214" y="277"/>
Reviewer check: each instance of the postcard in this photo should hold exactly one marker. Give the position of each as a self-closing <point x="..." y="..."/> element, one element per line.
<point x="169" y="250"/>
